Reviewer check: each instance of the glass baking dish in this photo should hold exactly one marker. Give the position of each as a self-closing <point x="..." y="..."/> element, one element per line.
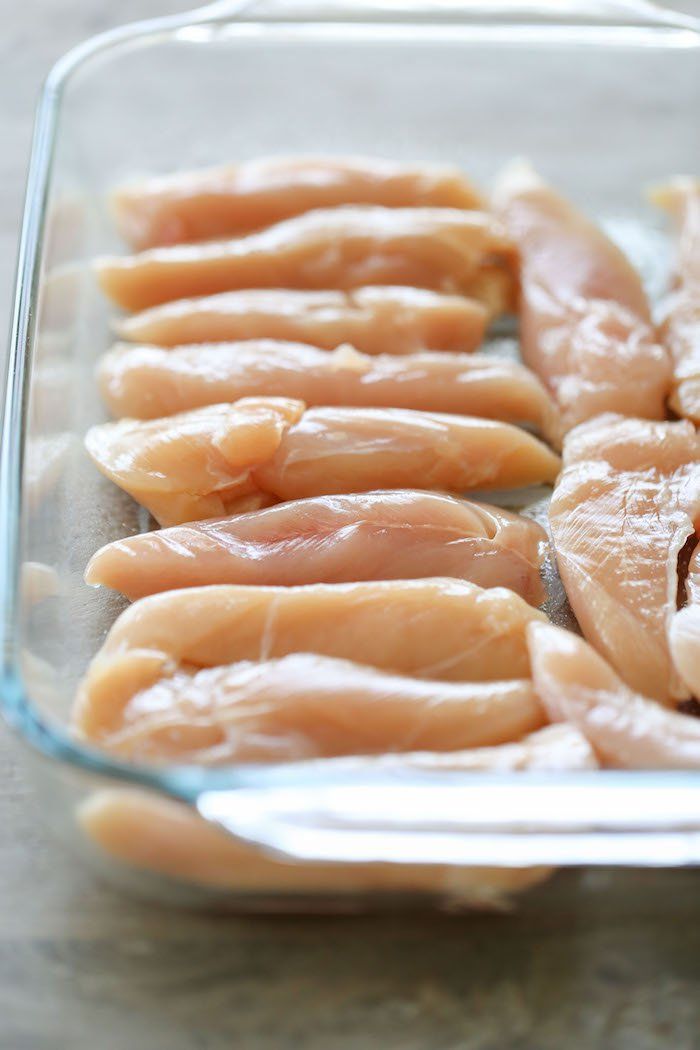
<point x="603" y="98"/>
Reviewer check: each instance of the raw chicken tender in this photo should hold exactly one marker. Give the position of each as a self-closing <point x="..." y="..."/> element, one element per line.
<point x="301" y="706"/>
<point x="681" y="325"/>
<point x="554" y="748"/>
<point x="145" y="382"/>
<point x="200" y="464"/>
<point x="338" y="248"/>
<point x="442" y="629"/>
<point x="334" y="539"/>
<point x="195" y="465"/>
<point x="585" y="321"/>
<point x="238" y="198"/>
<point x="169" y="838"/>
<point x="626" y="730"/>
<point x="624" y="507"/>
<point x="375" y="320"/>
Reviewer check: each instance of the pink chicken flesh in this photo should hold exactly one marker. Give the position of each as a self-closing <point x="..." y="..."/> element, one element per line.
<point x="145" y="382"/>
<point x="681" y="324"/>
<point x="333" y="539"/>
<point x="623" y="509"/>
<point x="302" y="706"/>
<point x="339" y="248"/>
<point x="376" y="320"/>
<point x="441" y="629"/>
<point x="166" y="837"/>
<point x="202" y="463"/>
<point x="625" y="729"/>
<point x="585" y="321"/>
<point x="237" y="198"/>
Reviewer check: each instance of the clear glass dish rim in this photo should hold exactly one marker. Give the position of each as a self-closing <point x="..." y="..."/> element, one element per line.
<point x="188" y="783"/>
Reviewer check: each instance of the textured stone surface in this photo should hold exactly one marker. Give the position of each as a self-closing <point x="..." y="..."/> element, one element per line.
<point x="605" y="961"/>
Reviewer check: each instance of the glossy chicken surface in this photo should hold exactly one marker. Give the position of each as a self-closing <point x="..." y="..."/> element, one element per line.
<point x="440" y="629"/>
<point x="334" y="539"/>
<point x="375" y="320"/>
<point x="584" y="318"/>
<point x="202" y="463"/>
<point x="680" y="329"/>
<point x="145" y="382"/>
<point x="177" y="467"/>
<point x="624" y="507"/>
<point x="625" y="729"/>
<point x="443" y="249"/>
<point x="302" y="706"/>
<point x="237" y="198"/>
<point x="556" y="747"/>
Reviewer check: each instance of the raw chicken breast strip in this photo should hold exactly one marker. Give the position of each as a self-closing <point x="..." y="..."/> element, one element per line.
<point x="195" y="465"/>
<point x="200" y="464"/>
<point x="585" y="321"/>
<point x="169" y="838"/>
<point x="145" y="382"/>
<point x="238" y="198"/>
<point x="301" y="706"/>
<point x="376" y="320"/>
<point x="334" y="539"/>
<point x="681" y="324"/>
<point x="340" y="248"/>
<point x="624" y="507"/>
<point x="441" y="629"/>
<point x="626" y="730"/>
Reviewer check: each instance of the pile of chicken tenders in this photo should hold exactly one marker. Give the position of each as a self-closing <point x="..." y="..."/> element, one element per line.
<point x="308" y="402"/>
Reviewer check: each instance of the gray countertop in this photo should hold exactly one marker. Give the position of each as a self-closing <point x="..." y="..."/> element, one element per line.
<point x="605" y="960"/>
